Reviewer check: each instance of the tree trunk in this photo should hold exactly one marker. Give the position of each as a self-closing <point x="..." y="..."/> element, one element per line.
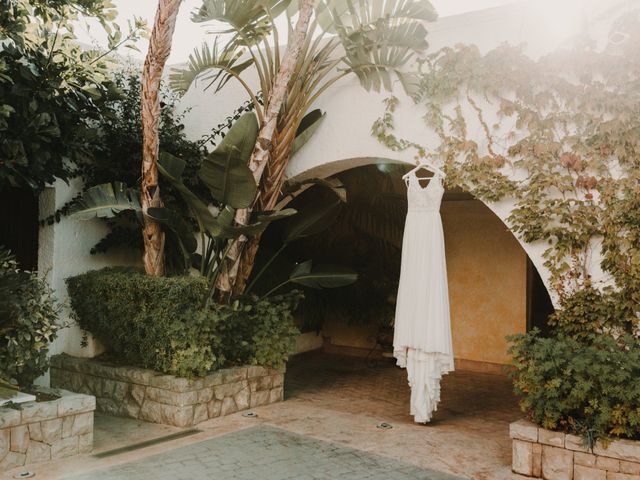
<point x="157" y="55"/>
<point x="230" y="280"/>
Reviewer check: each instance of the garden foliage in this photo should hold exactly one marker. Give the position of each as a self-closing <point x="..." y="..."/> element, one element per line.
<point x="164" y="323"/>
<point x="28" y="315"/>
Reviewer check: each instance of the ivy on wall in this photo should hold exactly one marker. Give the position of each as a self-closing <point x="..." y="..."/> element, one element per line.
<point x="563" y="143"/>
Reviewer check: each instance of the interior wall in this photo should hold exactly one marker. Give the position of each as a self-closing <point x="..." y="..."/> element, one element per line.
<point x="487" y="274"/>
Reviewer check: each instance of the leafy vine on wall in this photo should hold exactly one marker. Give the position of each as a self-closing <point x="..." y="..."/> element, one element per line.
<point x="561" y="138"/>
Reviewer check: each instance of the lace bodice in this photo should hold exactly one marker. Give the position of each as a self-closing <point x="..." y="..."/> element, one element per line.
<point x="424" y="199"/>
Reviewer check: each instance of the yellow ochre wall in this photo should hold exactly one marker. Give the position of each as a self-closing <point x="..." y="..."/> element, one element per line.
<point x="487" y="272"/>
<point x="486" y="269"/>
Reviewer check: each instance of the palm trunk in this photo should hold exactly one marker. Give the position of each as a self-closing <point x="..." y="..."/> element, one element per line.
<point x="157" y="55"/>
<point x="230" y="280"/>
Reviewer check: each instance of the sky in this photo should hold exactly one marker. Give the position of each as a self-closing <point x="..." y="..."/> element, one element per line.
<point x="189" y="35"/>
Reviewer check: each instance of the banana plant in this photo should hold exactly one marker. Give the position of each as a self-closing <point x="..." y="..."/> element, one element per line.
<point x="375" y="40"/>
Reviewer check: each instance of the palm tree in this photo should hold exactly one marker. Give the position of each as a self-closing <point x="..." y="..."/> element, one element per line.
<point x="372" y="39"/>
<point x="157" y="55"/>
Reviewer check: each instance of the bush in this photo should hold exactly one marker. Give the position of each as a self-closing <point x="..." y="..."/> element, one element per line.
<point x="162" y="323"/>
<point x="259" y="331"/>
<point x="28" y="315"/>
<point x="588" y="387"/>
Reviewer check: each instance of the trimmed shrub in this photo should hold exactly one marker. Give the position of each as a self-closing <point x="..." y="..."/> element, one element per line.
<point x="162" y="323"/>
<point x="28" y="315"/>
<point x="588" y="387"/>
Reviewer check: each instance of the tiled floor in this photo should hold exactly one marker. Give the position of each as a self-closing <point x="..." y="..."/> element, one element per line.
<point x="265" y="453"/>
<point x="327" y="422"/>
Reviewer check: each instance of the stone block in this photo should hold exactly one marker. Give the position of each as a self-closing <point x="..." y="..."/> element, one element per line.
<point x="259" y="398"/>
<point x="632" y="468"/>
<point x="537" y="460"/>
<point x="580" y="472"/>
<point x="213" y="408"/>
<point x="64" y="448"/>
<point x="620" y="476"/>
<point x="242" y="399"/>
<point x="261" y="383"/>
<point x="161" y="381"/>
<point x="56" y="361"/>
<point x="548" y="437"/>
<point x="178" y="416"/>
<point x="35" y="431"/>
<point x="213" y="379"/>
<point x="627" y="450"/>
<point x="607" y="463"/>
<point x="82" y="423"/>
<point x="130" y="408"/>
<point x="38" y="411"/>
<point x="205" y="395"/>
<point x="5" y="442"/>
<point x="137" y="393"/>
<point x="51" y="430"/>
<point x="229" y="389"/>
<point x="119" y="390"/>
<point x="278" y="380"/>
<point x="12" y="460"/>
<point x="169" y="397"/>
<point x="276" y="395"/>
<point x="522" y="457"/>
<point x="524" y="430"/>
<point x="256" y="371"/>
<point x="67" y="426"/>
<point x="200" y="413"/>
<point x="85" y="442"/>
<point x="228" y="406"/>
<point x="38" y="452"/>
<point x="9" y="417"/>
<point x="77" y="403"/>
<point x="108" y="406"/>
<point x="233" y="375"/>
<point x="19" y="439"/>
<point x="585" y="459"/>
<point x="557" y="463"/>
<point x="575" y="443"/>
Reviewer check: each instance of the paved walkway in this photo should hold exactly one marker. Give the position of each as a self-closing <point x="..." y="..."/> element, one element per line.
<point x="265" y="453"/>
<point x="327" y="422"/>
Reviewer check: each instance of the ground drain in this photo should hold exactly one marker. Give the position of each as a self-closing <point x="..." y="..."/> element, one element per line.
<point x="250" y="414"/>
<point x="385" y="426"/>
<point x="25" y="474"/>
<point x="146" y="443"/>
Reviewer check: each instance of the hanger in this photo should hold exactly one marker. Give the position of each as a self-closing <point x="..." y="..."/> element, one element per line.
<point x="426" y="165"/>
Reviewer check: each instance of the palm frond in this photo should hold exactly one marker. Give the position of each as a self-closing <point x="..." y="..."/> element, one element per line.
<point x="249" y="20"/>
<point x="210" y="64"/>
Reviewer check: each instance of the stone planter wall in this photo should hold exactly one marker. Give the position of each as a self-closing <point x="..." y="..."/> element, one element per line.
<point x="154" y="397"/>
<point x="43" y="431"/>
<point x="551" y="455"/>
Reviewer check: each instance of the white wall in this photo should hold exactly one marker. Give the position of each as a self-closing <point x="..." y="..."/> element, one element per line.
<point x="344" y="140"/>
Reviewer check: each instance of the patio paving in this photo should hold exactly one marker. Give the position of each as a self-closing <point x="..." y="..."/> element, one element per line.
<point x="264" y="452"/>
<point x="327" y="427"/>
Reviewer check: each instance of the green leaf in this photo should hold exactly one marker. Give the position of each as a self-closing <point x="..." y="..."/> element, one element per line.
<point x="225" y="171"/>
<point x="177" y="224"/>
<point x="106" y="201"/>
<point x="322" y="276"/>
<point x="308" y="126"/>
<point x="312" y="221"/>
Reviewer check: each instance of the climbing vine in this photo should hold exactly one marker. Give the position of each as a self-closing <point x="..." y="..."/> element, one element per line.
<point x="561" y="138"/>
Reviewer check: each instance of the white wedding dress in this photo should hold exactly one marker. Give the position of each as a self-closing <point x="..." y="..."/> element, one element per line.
<point x="422" y="332"/>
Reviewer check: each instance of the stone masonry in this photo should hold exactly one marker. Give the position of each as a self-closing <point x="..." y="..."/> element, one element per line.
<point x="552" y="455"/>
<point x="43" y="431"/>
<point x="155" y="397"/>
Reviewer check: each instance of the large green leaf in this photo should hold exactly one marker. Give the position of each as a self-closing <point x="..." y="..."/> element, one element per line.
<point x="312" y="221"/>
<point x="260" y="222"/>
<point x="322" y="276"/>
<point x="172" y="168"/>
<point x="225" y="171"/>
<point x="181" y="227"/>
<point x="308" y="126"/>
<point x="332" y="183"/>
<point x="106" y="201"/>
<point x="249" y="20"/>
